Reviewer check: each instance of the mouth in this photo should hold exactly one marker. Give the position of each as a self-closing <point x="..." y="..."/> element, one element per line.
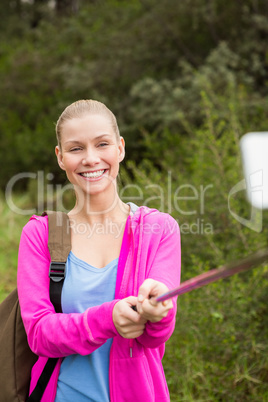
<point x="93" y="175"/>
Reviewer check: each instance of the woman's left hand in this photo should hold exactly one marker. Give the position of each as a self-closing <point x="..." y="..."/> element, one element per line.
<point x="147" y="306"/>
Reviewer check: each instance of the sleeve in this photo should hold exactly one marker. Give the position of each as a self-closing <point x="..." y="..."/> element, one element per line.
<point x="166" y="268"/>
<point x="52" y="334"/>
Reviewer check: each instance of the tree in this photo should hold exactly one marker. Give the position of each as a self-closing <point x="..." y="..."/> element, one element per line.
<point x="65" y="7"/>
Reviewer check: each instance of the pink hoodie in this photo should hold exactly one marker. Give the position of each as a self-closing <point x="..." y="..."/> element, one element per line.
<point x="150" y="249"/>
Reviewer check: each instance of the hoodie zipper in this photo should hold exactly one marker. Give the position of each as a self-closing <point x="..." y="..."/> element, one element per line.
<point x="110" y="375"/>
<point x="136" y="270"/>
<point x="131" y="340"/>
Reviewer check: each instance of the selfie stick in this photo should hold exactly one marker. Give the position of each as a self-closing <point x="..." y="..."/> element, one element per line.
<point x="217" y="273"/>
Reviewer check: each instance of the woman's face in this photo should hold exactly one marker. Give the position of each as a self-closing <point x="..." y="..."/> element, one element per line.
<point x="90" y="153"/>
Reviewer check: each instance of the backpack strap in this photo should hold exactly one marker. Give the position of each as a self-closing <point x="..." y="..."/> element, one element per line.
<point x="38" y="391"/>
<point x="59" y="244"/>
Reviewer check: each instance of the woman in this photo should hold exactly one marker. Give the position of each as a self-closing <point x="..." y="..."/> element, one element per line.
<point x="122" y="256"/>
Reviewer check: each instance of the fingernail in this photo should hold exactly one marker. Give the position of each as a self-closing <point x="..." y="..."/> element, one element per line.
<point x="140" y="298"/>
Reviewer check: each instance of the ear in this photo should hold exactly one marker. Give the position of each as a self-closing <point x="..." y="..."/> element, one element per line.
<point x="59" y="157"/>
<point x="121" y="149"/>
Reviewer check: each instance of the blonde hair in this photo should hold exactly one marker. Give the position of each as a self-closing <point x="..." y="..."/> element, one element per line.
<point x="81" y="108"/>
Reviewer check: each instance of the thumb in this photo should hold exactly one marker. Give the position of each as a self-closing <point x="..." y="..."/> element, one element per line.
<point x="131" y="300"/>
<point x="145" y="290"/>
<point x="141" y="297"/>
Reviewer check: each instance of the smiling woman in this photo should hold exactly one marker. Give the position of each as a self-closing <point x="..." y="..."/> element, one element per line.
<point x="117" y="260"/>
<point x="90" y="152"/>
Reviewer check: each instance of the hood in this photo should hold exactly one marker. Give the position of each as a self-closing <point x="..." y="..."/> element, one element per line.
<point x="137" y="213"/>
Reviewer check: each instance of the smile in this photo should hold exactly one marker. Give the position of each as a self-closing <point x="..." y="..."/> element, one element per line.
<point x="93" y="175"/>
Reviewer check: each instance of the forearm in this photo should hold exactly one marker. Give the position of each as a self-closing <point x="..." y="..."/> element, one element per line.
<point x="58" y="335"/>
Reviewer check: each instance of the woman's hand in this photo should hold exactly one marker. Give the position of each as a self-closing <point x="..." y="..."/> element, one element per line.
<point x="129" y="323"/>
<point x="147" y="306"/>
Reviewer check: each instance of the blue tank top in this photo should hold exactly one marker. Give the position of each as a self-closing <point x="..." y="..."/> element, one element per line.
<point x="86" y="378"/>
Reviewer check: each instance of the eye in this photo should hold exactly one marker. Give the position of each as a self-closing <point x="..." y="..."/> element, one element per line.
<point x="75" y="149"/>
<point x="102" y="144"/>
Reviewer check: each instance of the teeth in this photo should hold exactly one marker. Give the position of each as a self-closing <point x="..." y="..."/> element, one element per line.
<point x="93" y="174"/>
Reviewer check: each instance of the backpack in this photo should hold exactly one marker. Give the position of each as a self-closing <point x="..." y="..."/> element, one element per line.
<point x="16" y="358"/>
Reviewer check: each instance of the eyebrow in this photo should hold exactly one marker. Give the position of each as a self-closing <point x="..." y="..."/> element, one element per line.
<point x="96" y="138"/>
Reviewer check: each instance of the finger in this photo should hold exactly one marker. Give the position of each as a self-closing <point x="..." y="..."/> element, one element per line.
<point x="131" y="330"/>
<point x="131" y="300"/>
<point x="153" y="301"/>
<point x="132" y="303"/>
<point x="130" y="312"/>
<point x="132" y="334"/>
<point x="145" y="290"/>
<point x="152" y="312"/>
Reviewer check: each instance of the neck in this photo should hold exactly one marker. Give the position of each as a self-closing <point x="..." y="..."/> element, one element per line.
<point x="99" y="208"/>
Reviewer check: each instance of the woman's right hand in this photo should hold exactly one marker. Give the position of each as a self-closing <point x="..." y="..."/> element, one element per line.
<point x="129" y="323"/>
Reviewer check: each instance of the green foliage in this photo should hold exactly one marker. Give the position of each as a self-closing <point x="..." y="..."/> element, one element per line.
<point x="10" y="229"/>
<point x="147" y="60"/>
<point x="218" y="351"/>
<point x="186" y="80"/>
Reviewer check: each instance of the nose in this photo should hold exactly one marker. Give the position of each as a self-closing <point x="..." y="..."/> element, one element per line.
<point x="91" y="158"/>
